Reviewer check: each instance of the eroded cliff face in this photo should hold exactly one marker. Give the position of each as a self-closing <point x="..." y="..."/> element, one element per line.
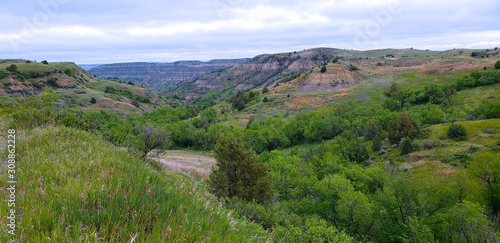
<point x="256" y="72"/>
<point x="159" y="76"/>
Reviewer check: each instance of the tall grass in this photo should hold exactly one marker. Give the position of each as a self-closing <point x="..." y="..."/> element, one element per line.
<point x="75" y="187"/>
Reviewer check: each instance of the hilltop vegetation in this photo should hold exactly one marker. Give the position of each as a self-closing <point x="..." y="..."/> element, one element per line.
<point x="76" y="87"/>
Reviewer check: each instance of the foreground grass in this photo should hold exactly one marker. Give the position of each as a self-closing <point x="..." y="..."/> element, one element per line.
<point x="75" y="187"/>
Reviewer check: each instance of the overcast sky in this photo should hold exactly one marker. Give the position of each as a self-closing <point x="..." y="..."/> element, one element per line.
<point x="110" y="31"/>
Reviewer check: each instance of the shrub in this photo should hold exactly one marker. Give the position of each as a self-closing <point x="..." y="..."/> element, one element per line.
<point x="130" y="83"/>
<point x="406" y="147"/>
<point x="377" y="144"/>
<point x="265" y="100"/>
<point x="265" y="90"/>
<point x="135" y="103"/>
<point x="497" y="64"/>
<point x="353" y="68"/>
<point x="431" y="143"/>
<point x="402" y="127"/>
<point x="238" y="173"/>
<point x="53" y="82"/>
<point x="12" y="68"/>
<point x="457" y="132"/>
<point x="371" y="129"/>
<point x="93" y="100"/>
<point x="109" y="90"/>
<point x="323" y="69"/>
<point x="45" y="62"/>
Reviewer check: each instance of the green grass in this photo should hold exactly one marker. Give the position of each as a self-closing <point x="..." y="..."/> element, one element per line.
<point x="75" y="187"/>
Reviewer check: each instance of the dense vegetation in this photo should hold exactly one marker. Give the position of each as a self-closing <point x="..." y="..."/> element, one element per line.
<point x="335" y="174"/>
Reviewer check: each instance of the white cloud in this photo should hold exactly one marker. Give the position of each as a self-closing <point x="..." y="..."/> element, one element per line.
<point x="154" y="30"/>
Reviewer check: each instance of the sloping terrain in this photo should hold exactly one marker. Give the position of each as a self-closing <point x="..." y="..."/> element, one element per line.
<point x="75" y="187"/>
<point x="345" y="69"/>
<point x="78" y="89"/>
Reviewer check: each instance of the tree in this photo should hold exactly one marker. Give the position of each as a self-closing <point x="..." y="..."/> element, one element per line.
<point x="251" y="95"/>
<point x="265" y="90"/>
<point x="497" y="64"/>
<point x="377" y="143"/>
<point x="12" y="68"/>
<point x="265" y="100"/>
<point x="457" y="132"/>
<point x="238" y="173"/>
<point x="371" y="129"/>
<point x="149" y="138"/>
<point x="486" y="167"/>
<point x="239" y="101"/>
<point x="93" y="100"/>
<point x="323" y="69"/>
<point x="402" y="127"/>
<point x="355" y="212"/>
<point x="406" y="147"/>
<point x="45" y="62"/>
<point x="130" y="83"/>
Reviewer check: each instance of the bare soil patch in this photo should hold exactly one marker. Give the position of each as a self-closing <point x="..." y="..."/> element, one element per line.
<point x="194" y="165"/>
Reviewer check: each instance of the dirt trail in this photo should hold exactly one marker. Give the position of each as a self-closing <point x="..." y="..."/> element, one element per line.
<point x="194" y="165"/>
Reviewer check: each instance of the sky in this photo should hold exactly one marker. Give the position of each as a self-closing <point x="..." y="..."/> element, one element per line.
<point x="112" y="31"/>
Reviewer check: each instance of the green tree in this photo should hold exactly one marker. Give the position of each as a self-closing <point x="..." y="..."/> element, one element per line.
<point x="372" y="129"/>
<point x="406" y="147"/>
<point x="457" y="132"/>
<point x="238" y="173"/>
<point x="486" y="167"/>
<point x="265" y="100"/>
<point x="323" y="69"/>
<point x="402" y="127"/>
<point x="93" y="100"/>
<point x="377" y="143"/>
<point x="149" y="138"/>
<point x="265" y="90"/>
<point x="45" y="62"/>
<point x="497" y="64"/>
<point x="466" y="222"/>
<point x="355" y="212"/>
<point x="251" y="95"/>
<point x="239" y="101"/>
<point x="12" y="68"/>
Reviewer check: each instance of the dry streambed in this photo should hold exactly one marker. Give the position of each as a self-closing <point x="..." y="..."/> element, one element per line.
<point x="194" y="165"/>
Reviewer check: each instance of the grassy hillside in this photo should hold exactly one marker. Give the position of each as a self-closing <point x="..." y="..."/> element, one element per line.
<point x="75" y="187"/>
<point x="76" y="87"/>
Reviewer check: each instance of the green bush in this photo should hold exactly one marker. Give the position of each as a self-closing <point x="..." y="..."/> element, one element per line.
<point x="12" y="68"/>
<point x="406" y="147"/>
<point x="497" y="64"/>
<point x="371" y="129"/>
<point x="457" y="132"/>
<point x="35" y="111"/>
<point x="323" y="69"/>
<point x="93" y="100"/>
<point x="238" y="173"/>
<point x="402" y="127"/>
<point x="377" y="144"/>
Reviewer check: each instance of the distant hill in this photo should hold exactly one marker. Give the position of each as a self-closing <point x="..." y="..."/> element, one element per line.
<point x="75" y="86"/>
<point x="160" y="76"/>
<point x="345" y="68"/>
